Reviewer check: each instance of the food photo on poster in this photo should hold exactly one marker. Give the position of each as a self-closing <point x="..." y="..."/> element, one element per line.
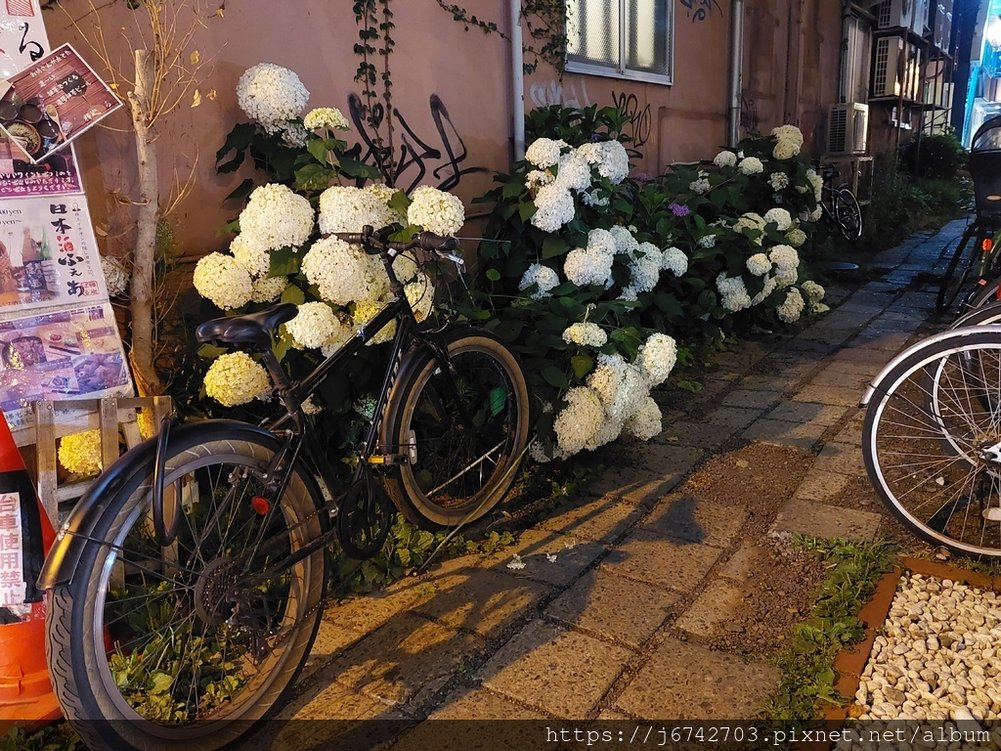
<point x="69" y="354"/>
<point x="52" y="101"/>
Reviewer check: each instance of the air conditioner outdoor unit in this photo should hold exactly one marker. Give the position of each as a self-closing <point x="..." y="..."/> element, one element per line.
<point x="891" y="75"/>
<point x="848" y="128"/>
<point x="892" y="14"/>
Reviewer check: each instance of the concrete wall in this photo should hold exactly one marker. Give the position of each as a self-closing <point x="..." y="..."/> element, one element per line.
<point x="788" y="77"/>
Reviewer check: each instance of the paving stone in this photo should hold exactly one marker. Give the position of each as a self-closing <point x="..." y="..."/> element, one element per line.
<point x="615" y="608"/>
<point x="819" y="485"/>
<point x="547" y="556"/>
<point x="835" y="376"/>
<point x="561" y="672"/>
<point x="717" y="605"/>
<point x="851" y="433"/>
<point x="481" y="704"/>
<point x="816" y="519"/>
<point x="666" y="459"/>
<point x="781" y="433"/>
<point x="326" y="700"/>
<point x="485" y="602"/>
<point x="330" y="639"/>
<point x="832" y="395"/>
<point x="603" y="520"/>
<point x="828" y="335"/>
<point x="634" y="484"/>
<point x="703" y="435"/>
<point x="683" y="516"/>
<point x="610" y="715"/>
<point x="842" y="458"/>
<point x="650" y="557"/>
<point x="750" y="398"/>
<point x="821" y="414"/>
<point x="364" y="614"/>
<point x="407" y="660"/>
<point x="742" y="564"/>
<point x="735" y="417"/>
<point x="686" y="681"/>
<point x="761" y="382"/>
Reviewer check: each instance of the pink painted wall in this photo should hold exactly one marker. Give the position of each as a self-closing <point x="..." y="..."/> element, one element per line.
<point x="470" y="71"/>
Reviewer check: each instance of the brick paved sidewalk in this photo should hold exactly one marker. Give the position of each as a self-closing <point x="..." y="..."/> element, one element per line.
<point x="619" y="588"/>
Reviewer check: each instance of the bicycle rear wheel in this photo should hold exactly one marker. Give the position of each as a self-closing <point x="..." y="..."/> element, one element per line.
<point x="847" y="213"/>
<point x="952" y="282"/>
<point x="186" y="646"/>
<point x="459" y="468"/>
<point x="931" y="445"/>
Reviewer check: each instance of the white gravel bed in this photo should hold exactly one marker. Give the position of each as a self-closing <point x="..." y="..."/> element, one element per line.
<point x="937" y="657"/>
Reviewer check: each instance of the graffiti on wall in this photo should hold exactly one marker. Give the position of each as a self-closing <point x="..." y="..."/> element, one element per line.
<point x="700" y="10"/>
<point x="640" y="119"/>
<point x="548" y="93"/>
<point x="412" y="159"/>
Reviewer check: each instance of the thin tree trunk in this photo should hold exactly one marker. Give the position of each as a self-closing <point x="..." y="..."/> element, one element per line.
<point x="144" y="257"/>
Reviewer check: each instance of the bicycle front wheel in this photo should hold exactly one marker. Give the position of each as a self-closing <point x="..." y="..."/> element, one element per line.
<point x="463" y="433"/>
<point x="932" y="437"/>
<point x="847" y="213"/>
<point x="184" y="646"/>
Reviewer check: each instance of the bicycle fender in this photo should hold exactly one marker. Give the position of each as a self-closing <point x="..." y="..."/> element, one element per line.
<point x="958" y="332"/>
<point x="64" y="556"/>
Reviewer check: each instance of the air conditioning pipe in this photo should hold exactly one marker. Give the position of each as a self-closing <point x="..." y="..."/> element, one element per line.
<point x="736" y="71"/>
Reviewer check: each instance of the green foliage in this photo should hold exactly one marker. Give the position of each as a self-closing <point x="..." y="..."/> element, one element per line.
<point x="936" y="156"/>
<point x="576" y="126"/>
<point x="50" y="738"/>
<point x="808" y="661"/>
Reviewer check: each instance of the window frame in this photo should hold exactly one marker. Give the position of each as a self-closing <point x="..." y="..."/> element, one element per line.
<point x="621" y="72"/>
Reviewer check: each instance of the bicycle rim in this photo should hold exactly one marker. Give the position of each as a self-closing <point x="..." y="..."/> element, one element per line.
<point x="197" y="634"/>
<point x="848" y="214"/>
<point x="926" y="443"/>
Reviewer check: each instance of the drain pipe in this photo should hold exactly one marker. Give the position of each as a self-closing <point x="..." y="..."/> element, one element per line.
<point x="736" y="70"/>
<point x="517" y="80"/>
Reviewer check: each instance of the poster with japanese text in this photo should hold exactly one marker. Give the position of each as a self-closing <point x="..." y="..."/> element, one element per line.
<point x="22" y="43"/>
<point x="52" y="101"/>
<point x="68" y="354"/>
<point x="12" y="587"/>
<point x="48" y="254"/>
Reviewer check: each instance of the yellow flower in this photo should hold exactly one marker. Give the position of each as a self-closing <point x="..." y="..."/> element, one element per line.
<point x="80" y="453"/>
<point x="236" y="378"/>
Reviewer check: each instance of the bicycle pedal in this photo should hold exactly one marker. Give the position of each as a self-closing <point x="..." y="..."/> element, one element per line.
<point x="383" y="460"/>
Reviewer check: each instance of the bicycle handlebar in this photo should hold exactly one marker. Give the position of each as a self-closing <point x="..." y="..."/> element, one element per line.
<point x="375" y="242"/>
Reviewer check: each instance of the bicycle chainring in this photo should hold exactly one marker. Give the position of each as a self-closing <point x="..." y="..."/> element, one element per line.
<point x="364" y="518"/>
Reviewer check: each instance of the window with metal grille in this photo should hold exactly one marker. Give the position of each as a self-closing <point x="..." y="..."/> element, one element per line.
<point x="621" y="38"/>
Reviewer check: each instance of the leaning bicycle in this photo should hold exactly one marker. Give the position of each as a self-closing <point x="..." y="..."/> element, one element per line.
<point x="839" y="205"/>
<point x="188" y="584"/>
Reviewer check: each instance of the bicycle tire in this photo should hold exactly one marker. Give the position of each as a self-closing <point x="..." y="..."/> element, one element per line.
<point x="985" y="294"/>
<point x="847" y="213"/>
<point x="912" y="468"/>
<point x="951" y="285"/>
<point x="421" y="422"/>
<point x="94" y="639"/>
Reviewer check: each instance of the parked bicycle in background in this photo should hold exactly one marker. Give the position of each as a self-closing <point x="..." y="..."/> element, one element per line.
<point x="839" y="205"/>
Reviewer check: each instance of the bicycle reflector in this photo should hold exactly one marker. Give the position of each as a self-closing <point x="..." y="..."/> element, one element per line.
<point x="987" y="245"/>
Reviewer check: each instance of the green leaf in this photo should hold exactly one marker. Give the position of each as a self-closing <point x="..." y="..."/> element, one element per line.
<point x="161" y="683"/>
<point x="525" y="210"/>
<point x="318" y="149"/>
<point x="555" y="377"/>
<point x="553" y="246"/>
<point x="210" y="351"/>
<point x="313" y="177"/>
<point x="284" y="262"/>
<point x="241" y="191"/>
<point x="238" y="140"/>
<point x="354" y="168"/>
<point x="400" y="202"/>
<point x="493" y="275"/>
<point x="293" y="295"/>
<point x="513" y="189"/>
<point x="581" y="365"/>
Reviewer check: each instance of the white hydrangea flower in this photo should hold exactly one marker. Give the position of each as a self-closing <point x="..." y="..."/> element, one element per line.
<point x="816" y="213"/>
<point x="707" y="241"/>
<point x="796" y="237"/>
<point x="365" y="311"/>
<point x="594" y="197"/>
<point x="349" y="209"/>
<point x="276" y="217"/>
<point x="116" y="276"/>
<point x="758" y="264"/>
<point x="614" y="161"/>
<point x="792" y="307"/>
<point x="294" y="135"/>
<point x="813" y="291"/>
<point x="236" y="378"/>
<point x="625" y="243"/>
<point x="222" y="280"/>
<point x="817" y="183"/>
<point x="579" y="421"/>
<point x="436" y="211"/>
<point x="585" y="335"/>
<point x="537" y="178"/>
<point x="537" y="452"/>
<point x="751" y="221"/>
<point x="779" y="216"/>
<point x="785" y="150"/>
<point x="310" y="407"/>
<point x="585" y="266"/>
<point x="645" y="265"/>
<point x="770" y="284"/>
<point x="337" y="340"/>
<point x="751" y="165"/>
<point x="725" y="159"/>
<point x="313" y="326"/>
<point x="620" y="387"/>
<point x="574" y="172"/>
<point x="381" y="191"/>
<point x="405" y="268"/>
<point x="700" y="186"/>
<point x="645" y="422"/>
<point x="733" y="293"/>
<point x="268" y="288"/>
<point x="657" y="357"/>
<point x="543" y="277"/>
<point x="420" y="294"/>
<point x="554" y="208"/>
<point x="674" y="260"/>
<point x="778" y="181"/>
<point x="789" y="133"/>
<point x="343" y="273"/>
<point x="818" y="307"/>
<point x="271" y="95"/>
<point x="252" y="257"/>
<point x="784" y="257"/>
<point x="326" y="117"/>
<point x="545" y="152"/>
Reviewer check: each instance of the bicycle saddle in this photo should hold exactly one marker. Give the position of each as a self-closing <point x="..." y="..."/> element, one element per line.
<point x="253" y="329"/>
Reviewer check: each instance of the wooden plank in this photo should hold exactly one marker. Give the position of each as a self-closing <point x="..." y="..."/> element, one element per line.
<point x="109" y="431"/>
<point x="46" y="458"/>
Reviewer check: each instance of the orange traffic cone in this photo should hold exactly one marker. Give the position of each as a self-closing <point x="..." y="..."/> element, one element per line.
<point x="25" y="537"/>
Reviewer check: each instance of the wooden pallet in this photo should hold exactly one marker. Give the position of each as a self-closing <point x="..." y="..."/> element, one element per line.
<point x="112" y="416"/>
